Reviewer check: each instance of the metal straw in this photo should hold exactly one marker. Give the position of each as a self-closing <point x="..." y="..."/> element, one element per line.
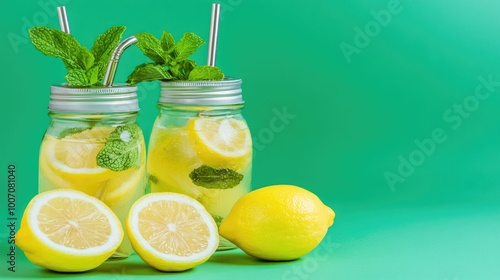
<point x="214" y="30"/>
<point x="63" y="19"/>
<point x="113" y="63"/>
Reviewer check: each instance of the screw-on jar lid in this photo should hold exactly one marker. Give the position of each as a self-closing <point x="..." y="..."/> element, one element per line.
<point x="223" y="92"/>
<point x="115" y="99"/>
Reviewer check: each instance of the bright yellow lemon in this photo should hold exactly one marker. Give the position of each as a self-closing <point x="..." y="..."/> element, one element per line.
<point x="68" y="231"/>
<point x="277" y="223"/>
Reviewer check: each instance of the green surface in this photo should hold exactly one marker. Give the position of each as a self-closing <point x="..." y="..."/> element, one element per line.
<point x="442" y="243"/>
<point x="416" y="99"/>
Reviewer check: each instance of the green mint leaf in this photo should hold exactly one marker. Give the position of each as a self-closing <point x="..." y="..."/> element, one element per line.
<point x="206" y="73"/>
<point x="148" y="72"/>
<point x="181" y="70"/>
<point x="174" y="56"/>
<point x="85" y="68"/>
<point x="186" y="46"/>
<point x="106" y="43"/>
<point x="153" y="179"/>
<point x="167" y="41"/>
<point x="93" y="75"/>
<point x="53" y="42"/>
<point x="104" y="46"/>
<point x="86" y="58"/>
<point x="217" y="219"/>
<point x="83" y="78"/>
<point x="77" y="78"/>
<point x="102" y="67"/>
<point x="151" y="47"/>
<point x="70" y="131"/>
<point x="122" y="148"/>
<point x="214" y="178"/>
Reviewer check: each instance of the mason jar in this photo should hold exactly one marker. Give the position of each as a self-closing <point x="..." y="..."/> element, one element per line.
<point x="93" y="144"/>
<point x="201" y="146"/>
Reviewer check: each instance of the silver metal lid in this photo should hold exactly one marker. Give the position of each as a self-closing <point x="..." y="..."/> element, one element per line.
<point x="115" y="99"/>
<point x="200" y="93"/>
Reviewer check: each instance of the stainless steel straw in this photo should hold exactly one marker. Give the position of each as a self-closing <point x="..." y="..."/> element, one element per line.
<point x="113" y="63"/>
<point x="214" y="30"/>
<point x="63" y="19"/>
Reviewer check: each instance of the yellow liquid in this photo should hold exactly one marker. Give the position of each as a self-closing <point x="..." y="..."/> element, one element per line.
<point x="71" y="163"/>
<point x="172" y="157"/>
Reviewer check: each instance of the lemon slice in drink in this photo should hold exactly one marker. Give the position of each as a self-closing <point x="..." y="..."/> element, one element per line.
<point x="71" y="162"/>
<point x="221" y="142"/>
<point x="124" y="187"/>
<point x="171" y="158"/>
<point x="171" y="232"/>
<point x="68" y="231"/>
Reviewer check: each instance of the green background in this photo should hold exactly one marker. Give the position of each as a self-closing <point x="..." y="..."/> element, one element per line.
<point x="361" y="107"/>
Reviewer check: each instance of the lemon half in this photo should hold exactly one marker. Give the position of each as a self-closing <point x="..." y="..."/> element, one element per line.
<point x="68" y="231"/>
<point x="171" y="232"/>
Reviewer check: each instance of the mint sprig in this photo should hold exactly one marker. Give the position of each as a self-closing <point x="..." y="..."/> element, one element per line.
<point x="122" y="148"/>
<point x="186" y="46"/>
<point x="85" y="67"/>
<point x="149" y="72"/>
<point x="215" y="178"/>
<point x="167" y="41"/>
<point x="151" y="47"/>
<point x="171" y="60"/>
<point x="206" y="73"/>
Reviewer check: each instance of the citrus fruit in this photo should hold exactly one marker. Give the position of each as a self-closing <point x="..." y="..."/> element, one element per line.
<point x="68" y="231"/>
<point x="221" y="141"/>
<point x="170" y="160"/>
<point x="171" y="232"/>
<point x="277" y="223"/>
<point x="71" y="162"/>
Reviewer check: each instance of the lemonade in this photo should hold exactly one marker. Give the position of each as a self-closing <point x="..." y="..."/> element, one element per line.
<point x="70" y="163"/>
<point x="100" y="154"/>
<point x="202" y="151"/>
<point x="173" y="157"/>
<point x="93" y="143"/>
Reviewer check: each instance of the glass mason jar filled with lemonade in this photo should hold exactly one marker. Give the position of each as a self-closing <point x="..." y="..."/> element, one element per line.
<point x="201" y="146"/>
<point x="93" y="144"/>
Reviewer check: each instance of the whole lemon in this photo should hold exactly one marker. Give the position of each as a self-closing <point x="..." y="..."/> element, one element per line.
<point x="277" y="223"/>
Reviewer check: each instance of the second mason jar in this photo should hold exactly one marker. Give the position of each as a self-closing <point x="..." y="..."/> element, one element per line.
<point x="201" y="146"/>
